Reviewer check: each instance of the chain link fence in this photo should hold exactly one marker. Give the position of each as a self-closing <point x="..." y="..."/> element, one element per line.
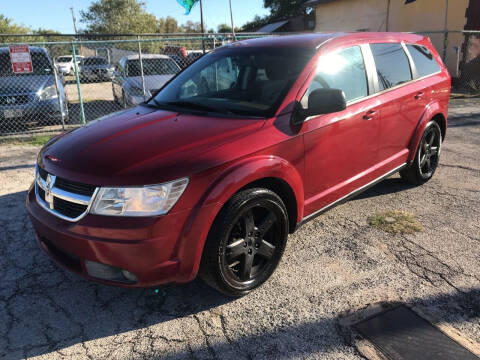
<point x="74" y="81"/>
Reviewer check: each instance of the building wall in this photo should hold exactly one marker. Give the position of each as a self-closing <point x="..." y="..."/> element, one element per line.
<point x="418" y="16"/>
<point x="351" y="15"/>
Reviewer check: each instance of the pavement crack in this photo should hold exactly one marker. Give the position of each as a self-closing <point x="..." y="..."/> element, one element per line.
<point x="205" y="335"/>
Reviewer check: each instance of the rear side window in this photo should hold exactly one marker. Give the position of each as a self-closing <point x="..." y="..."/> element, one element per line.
<point x="392" y="65"/>
<point x="344" y="70"/>
<point x="424" y="60"/>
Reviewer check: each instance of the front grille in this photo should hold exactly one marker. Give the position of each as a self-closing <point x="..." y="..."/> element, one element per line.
<point x="75" y="187"/>
<point x="68" y="185"/>
<point x="42" y="172"/>
<point x="65" y="198"/>
<point x="67" y="208"/>
<point x="41" y="193"/>
<point x="12" y="100"/>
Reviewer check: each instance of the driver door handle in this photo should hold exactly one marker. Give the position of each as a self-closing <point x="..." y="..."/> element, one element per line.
<point x="419" y="95"/>
<point x="370" y="115"/>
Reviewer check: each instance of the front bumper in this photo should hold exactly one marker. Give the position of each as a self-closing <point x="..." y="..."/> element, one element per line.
<point x="146" y="247"/>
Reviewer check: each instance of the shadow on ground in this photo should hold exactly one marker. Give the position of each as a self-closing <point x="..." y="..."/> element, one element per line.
<point x="44" y="308"/>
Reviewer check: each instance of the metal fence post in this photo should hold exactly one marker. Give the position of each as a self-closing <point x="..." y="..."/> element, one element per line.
<point x="445" y="47"/>
<point x="58" y="96"/>
<point x="141" y="68"/>
<point x="77" y="79"/>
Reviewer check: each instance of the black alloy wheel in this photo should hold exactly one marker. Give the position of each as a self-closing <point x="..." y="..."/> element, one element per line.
<point x="429" y="151"/>
<point x="246" y="242"/>
<point x="427" y="156"/>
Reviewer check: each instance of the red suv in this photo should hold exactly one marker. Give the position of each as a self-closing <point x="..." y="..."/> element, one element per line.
<point x="234" y="153"/>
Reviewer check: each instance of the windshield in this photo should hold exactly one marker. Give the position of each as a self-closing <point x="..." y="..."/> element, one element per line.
<point x="240" y="81"/>
<point x="152" y="67"/>
<point x="40" y="63"/>
<point x="95" y="61"/>
<point x="64" y="59"/>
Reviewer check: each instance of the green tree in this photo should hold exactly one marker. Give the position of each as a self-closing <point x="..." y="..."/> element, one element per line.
<point x="118" y="16"/>
<point x="225" y="28"/>
<point x="191" y="27"/>
<point x="169" y="25"/>
<point x="281" y="9"/>
<point x="7" y="26"/>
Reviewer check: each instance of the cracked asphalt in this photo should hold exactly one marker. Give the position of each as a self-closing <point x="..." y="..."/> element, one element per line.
<point x="332" y="265"/>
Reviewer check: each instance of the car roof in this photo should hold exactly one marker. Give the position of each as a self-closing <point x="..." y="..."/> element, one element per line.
<point x="315" y="40"/>
<point x="147" y="56"/>
<point x="94" y="57"/>
<point x="32" y="49"/>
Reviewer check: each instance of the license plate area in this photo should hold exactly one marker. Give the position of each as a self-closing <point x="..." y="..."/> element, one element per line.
<point x="12" y="113"/>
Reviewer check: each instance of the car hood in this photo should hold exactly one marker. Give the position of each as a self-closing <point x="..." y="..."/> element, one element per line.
<point x="143" y="146"/>
<point x="24" y="83"/>
<point x="152" y="82"/>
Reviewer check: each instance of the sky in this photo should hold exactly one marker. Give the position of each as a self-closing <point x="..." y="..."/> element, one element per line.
<point x="55" y="14"/>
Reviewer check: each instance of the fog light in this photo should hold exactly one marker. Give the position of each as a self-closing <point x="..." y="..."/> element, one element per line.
<point x="108" y="272"/>
<point x="129" y="276"/>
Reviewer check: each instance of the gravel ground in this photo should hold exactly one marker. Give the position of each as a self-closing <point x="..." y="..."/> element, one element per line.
<point x="334" y="264"/>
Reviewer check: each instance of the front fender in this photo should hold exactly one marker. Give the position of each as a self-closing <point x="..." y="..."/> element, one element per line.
<point x="431" y="110"/>
<point x="192" y="240"/>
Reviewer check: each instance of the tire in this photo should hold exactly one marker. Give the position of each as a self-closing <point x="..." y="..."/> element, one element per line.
<point x="426" y="158"/>
<point x="245" y="243"/>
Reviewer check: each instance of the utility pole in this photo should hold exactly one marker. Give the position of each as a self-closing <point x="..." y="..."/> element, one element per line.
<point x="231" y="18"/>
<point x="74" y="20"/>
<point x="201" y="25"/>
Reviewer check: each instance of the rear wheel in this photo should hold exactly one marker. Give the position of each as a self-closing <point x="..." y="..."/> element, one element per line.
<point x="427" y="157"/>
<point x="246" y="242"/>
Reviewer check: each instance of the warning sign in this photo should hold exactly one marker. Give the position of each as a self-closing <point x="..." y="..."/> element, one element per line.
<point x="21" y="59"/>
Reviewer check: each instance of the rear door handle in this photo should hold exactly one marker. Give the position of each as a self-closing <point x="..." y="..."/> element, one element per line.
<point x="419" y="95"/>
<point x="370" y="115"/>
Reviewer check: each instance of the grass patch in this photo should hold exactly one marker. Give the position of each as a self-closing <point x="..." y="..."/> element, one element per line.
<point x="35" y="141"/>
<point x="395" y="222"/>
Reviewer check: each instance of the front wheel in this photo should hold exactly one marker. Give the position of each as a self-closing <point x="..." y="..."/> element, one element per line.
<point x="246" y="242"/>
<point x="427" y="157"/>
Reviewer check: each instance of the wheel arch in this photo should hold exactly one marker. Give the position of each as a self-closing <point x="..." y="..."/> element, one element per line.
<point x="435" y="112"/>
<point x="284" y="191"/>
<point x="270" y="172"/>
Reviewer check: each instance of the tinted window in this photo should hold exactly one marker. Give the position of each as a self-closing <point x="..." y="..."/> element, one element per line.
<point x="239" y="80"/>
<point x="62" y="59"/>
<point x="423" y="59"/>
<point x="152" y="67"/>
<point x="95" y="61"/>
<point x="343" y="70"/>
<point x="392" y="65"/>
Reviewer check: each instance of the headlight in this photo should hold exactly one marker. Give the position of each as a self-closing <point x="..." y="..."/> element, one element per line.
<point x="48" y="93"/>
<point x="135" y="91"/>
<point x="138" y="201"/>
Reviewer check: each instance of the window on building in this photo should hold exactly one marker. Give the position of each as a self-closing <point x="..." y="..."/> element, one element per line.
<point x="424" y="60"/>
<point x="392" y="65"/>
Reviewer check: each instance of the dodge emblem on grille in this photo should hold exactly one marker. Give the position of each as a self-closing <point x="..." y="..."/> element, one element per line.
<point x="49" y="183"/>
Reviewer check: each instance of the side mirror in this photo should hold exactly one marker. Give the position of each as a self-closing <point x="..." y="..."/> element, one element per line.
<point x="320" y="101"/>
<point x="325" y="101"/>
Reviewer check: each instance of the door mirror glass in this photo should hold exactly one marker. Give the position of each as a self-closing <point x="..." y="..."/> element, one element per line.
<point x="325" y="101"/>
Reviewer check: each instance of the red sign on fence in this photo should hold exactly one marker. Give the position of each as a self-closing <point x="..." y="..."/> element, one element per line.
<point x="21" y="59"/>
